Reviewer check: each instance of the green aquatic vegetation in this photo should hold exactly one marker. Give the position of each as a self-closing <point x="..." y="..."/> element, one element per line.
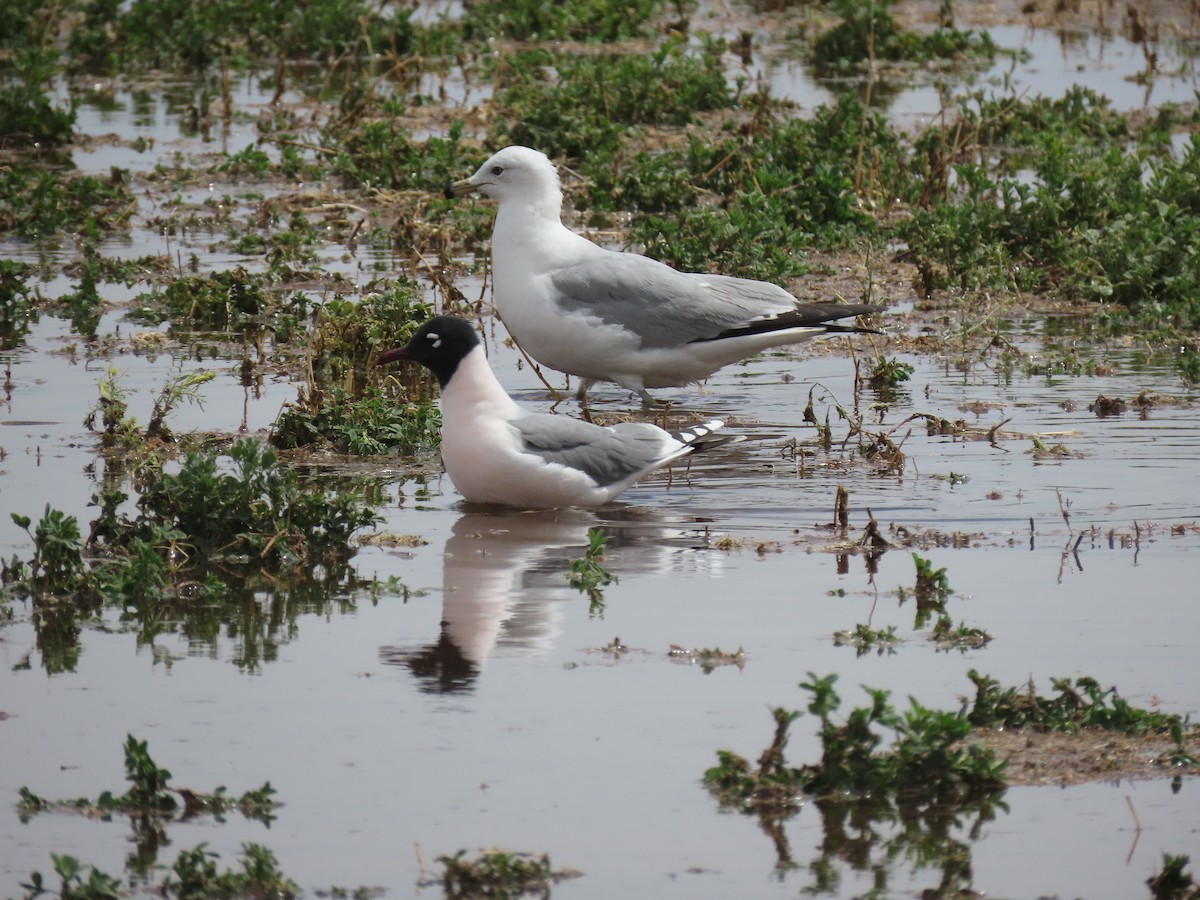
<point x="28" y="115"/>
<point x="377" y="422"/>
<point x="176" y="34"/>
<point x="588" y="574"/>
<point x="926" y="764"/>
<point x="72" y="884"/>
<point x="793" y="183"/>
<point x="347" y="336"/>
<point x="230" y="301"/>
<point x="1007" y="122"/>
<point x="588" y="106"/>
<point x="150" y="793"/>
<point x="18" y="302"/>
<point x="962" y="637"/>
<point x="869" y="32"/>
<point x="1114" y="222"/>
<point x="116" y="429"/>
<point x="864" y="639"/>
<point x="714" y="240"/>
<point x="926" y="760"/>
<point x="379" y="153"/>
<point x="195" y="875"/>
<point x="259" y="510"/>
<point x="344" y="405"/>
<point x="599" y="21"/>
<point x="57" y="563"/>
<point x="772" y="786"/>
<point x="119" y="431"/>
<point x="889" y="372"/>
<point x="933" y="586"/>
<point x="1172" y="882"/>
<point x="1188" y="363"/>
<point x="646" y="182"/>
<point x="497" y="873"/>
<point x="1078" y="703"/>
<point x="39" y="203"/>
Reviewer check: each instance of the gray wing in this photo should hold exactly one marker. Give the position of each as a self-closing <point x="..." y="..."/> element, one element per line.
<point x="664" y="307"/>
<point x="605" y="455"/>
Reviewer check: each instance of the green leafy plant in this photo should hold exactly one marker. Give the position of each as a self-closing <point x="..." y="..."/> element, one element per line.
<point x="260" y="510"/>
<point x="588" y="575"/>
<point x="151" y="794"/>
<point x="586" y="109"/>
<point x="889" y="373"/>
<point x="544" y="20"/>
<point x="928" y="761"/>
<point x="932" y="584"/>
<point x="1172" y="882"/>
<point x="195" y="874"/>
<point x="864" y="639"/>
<point x="57" y="564"/>
<point x="1078" y="703"/>
<point x="498" y="874"/>
<point x="72" y="885"/>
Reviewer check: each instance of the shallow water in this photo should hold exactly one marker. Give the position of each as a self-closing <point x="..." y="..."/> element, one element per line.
<point x="479" y="711"/>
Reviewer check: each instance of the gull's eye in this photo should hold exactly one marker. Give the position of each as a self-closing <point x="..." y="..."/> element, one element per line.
<point x="497" y="170"/>
<point x="435" y="339"/>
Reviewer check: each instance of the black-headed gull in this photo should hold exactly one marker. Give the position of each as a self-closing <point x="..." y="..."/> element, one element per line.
<point x="604" y="315"/>
<point x="497" y="452"/>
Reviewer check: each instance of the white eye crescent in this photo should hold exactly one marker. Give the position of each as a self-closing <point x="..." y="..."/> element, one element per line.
<point x="435" y="339"/>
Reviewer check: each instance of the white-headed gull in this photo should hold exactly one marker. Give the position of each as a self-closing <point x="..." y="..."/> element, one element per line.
<point x="604" y="315"/>
<point x="497" y="452"/>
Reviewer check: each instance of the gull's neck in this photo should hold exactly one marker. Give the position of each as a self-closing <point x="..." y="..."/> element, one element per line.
<point x="536" y="211"/>
<point x="473" y="389"/>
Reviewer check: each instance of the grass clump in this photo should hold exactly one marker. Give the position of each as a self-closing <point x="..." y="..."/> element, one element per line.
<point x="27" y="113"/>
<point x="498" y="874"/>
<point x="343" y="405"/>
<point x="179" y="35"/>
<point x="150" y="793"/>
<point x="864" y="639"/>
<point x="591" y="101"/>
<point x="599" y="21"/>
<point x="1078" y="703"/>
<point x="379" y="153"/>
<point x="39" y="203"/>
<point x="869" y="32"/>
<point x="792" y="184"/>
<point x="1172" y="882"/>
<point x="233" y="301"/>
<point x="374" y="423"/>
<point x="927" y="763"/>
<point x="1098" y="213"/>
<point x="588" y="574"/>
<point x="259" y="511"/>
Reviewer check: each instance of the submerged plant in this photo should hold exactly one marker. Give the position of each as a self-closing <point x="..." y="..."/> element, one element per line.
<point x="498" y="874"/>
<point x="864" y="639"/>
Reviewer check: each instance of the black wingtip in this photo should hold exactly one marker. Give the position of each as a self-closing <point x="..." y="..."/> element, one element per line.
<point x="448" y="191"/>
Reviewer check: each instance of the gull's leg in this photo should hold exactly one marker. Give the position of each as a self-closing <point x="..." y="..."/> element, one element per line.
<point x="648" y="398"/>
<point x="584" y="409"/>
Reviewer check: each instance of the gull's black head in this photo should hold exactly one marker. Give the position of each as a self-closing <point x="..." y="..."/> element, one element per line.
<point x="439" y="345"/>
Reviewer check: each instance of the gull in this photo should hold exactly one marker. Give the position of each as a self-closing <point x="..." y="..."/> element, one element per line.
<point x="497" y="452"/>
<point x="605" y="315"/>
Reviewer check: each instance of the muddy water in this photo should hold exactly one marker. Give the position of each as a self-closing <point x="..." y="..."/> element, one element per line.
<point x="479" y="711"/>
